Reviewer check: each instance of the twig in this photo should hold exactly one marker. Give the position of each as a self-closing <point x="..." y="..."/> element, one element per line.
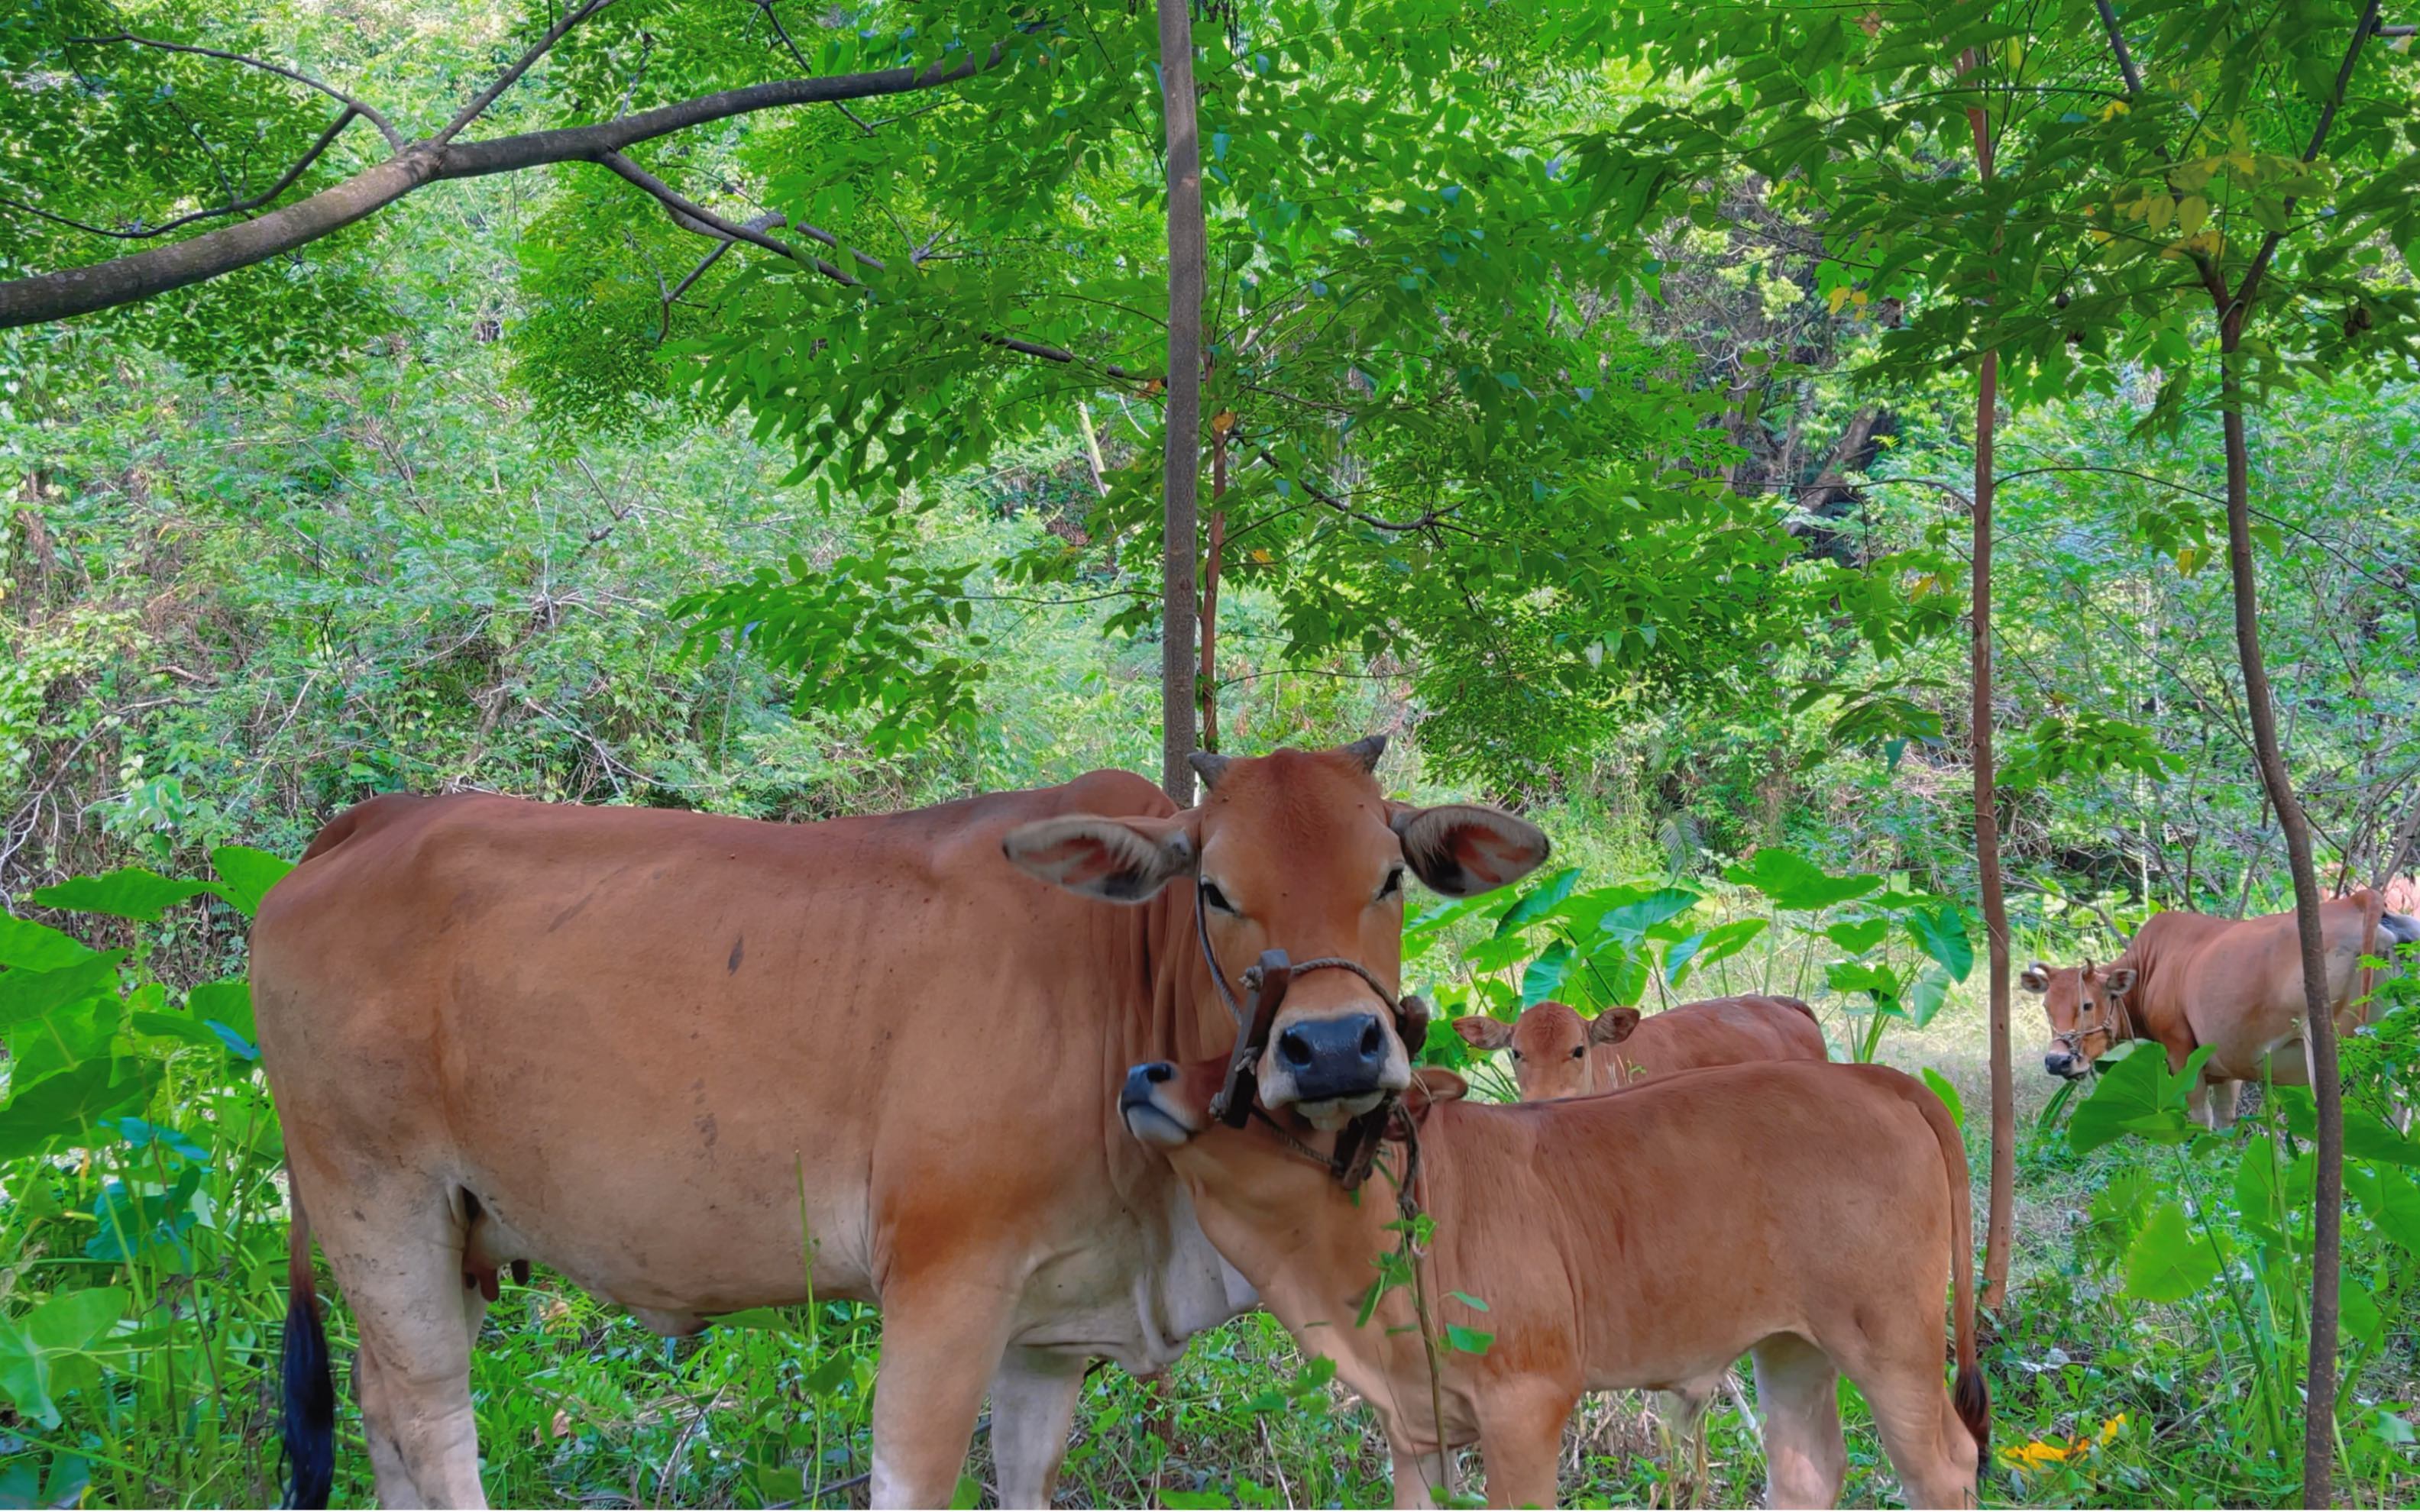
<point x="367" y="112"/>
<point x="691" y="216"/>
<point x="343" y="119"/>
<point x="479" y="106"/>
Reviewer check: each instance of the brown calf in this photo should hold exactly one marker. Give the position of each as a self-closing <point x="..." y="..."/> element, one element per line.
<point x="1805" y="1213"/>
<point x="1555" y="1053"/>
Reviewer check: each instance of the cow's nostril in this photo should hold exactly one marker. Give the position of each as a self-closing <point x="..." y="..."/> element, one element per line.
<point x="1370" y="1043"/>
<point x="1159" y="1071"/>
<point x="1293" y="1049"/>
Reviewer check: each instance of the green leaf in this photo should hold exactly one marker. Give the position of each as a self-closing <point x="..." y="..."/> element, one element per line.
<point x="771" y="1320"/>
<point x="1545" y="978"/>
<point x="25" y="946"/>
<point x="1467" y="1340"/>
<point x="68" y="1104"/>
<point x="1859" y="937"/>
<point x="1630" y="921"/>
<point x="1701" y="951"/>
<point x="2359" y="1310"/>
<point x="246" y="875"/>
<point x="129" y="892"/>
<point x="1468" y="1301"/>
<point x="1795" y="882"/>
<point x="1539" y="900"/>
<point x="1497" y="952"/>
<point x="2137" y="1095"/>
<point x="969" y="1493"/>
<point x="1947" y="1091"/>
<point x="1941" y="934"/>
<point x="2167" y="1262"/>
<point x="26" y="994"/>
<point x="34" y="1349"/>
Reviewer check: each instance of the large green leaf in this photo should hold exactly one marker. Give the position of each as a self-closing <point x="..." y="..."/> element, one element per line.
<point x="27" y="995"/>
<point x="1539" y="900"/>
<point x="129" y="892"/>
<point x="39" y="1351"/>
<point x="25" y="946"/>
<point x="1703" y="950"/>
<point x="1859" y="935"/>
<point x="1941" y="933"/>
<point x="1632" y="921"/>
<point x="246" y="875"/>
<point x="1795" y="882"/>
<point x="2137" y="1095"/>
<point x="227" y="1005"/>
<point x="1545" y="978"/>
<point x="67" y="1104"/>
<point x="2167" y="1261"/>
<point x="1947" y="1091"/>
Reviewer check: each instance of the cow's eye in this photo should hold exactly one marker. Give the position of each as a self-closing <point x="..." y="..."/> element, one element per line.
<point x="1213" y="897"/>
<point x="1516" y="1055"/>
<point x="1393" y="885"/>
<point x="1579" y="1051"/>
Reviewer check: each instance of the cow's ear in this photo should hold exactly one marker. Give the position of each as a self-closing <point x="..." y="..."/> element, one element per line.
<point x="2119" y="982"/>
<point x="1440" y="1084"/>
<point x="2035" y="978"/>
<point x="1613" y="1025"/>
<point x="1124" y="860"/>
<point x="1484" y="1034"/>
<point x="1460" y="849"/>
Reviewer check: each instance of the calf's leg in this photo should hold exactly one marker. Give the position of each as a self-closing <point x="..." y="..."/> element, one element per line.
<point x="941" y="1335"/>
<point x="1417" y="1475"/>
<point x="1804" y="1458"/>
<point x="1934" y="1455"/>
<point x="1032" y="1402"/>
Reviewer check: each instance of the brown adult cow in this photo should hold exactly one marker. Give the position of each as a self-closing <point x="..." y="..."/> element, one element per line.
<point x="1605" y="1260"/>
<point x="1555" y="1053"/>
<point x="2235" y="985"/>
<point x="643" y="1047"/>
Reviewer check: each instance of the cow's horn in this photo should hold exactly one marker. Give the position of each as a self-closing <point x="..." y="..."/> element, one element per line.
<point x="1210" y="765"/>
<point x="1367" y="751"/>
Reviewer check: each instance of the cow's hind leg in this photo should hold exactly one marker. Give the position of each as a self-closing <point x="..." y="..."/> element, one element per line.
<point x="1933" y="1450"/>
<point x="1805" y="1459"/>
<point x="1032" y="1402"/>
<point x="397" y="1256"/>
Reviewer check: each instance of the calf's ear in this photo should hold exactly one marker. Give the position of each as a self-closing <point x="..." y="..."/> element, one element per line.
<point x="1484" y="1034"/>
<point x="2119" y="982"/>
<point x="1122" y="860"/>
<point x="1440" y="1084"/>
<point x="1613" y="1025"/>
<point x="2035" y="978"/>
<point x="1460" y="849"/>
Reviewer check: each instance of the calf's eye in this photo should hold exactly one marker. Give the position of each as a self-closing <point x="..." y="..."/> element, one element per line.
<point x="1579" y="1051"/>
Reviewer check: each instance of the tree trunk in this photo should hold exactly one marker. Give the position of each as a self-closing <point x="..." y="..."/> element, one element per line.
<point x="2318" y="1026"/>
<point x="1182" y="479"/>
<point x="1210" y="571"/>
<point x="2000" y="1222"/>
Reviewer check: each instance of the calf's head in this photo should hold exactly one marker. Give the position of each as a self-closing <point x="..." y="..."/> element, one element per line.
<point x="2087" y="1012"/>
<point x="1550" y="1047"/>
<point x="1298" y="851"/>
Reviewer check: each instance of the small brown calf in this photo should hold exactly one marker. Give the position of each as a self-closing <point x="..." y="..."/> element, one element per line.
<point x="1555" y="1053"/>
<point x="1806" y="1213"/>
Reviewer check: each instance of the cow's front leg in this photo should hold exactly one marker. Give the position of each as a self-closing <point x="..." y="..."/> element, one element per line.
<point x="1032" y="1402"/>
<point x="1521" y="1438"/>
<point x="941" y="1338"/>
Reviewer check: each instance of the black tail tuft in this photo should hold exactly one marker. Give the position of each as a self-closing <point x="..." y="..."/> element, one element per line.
<point x="310" y="1404"/>
<point x="1973" y="1400"/>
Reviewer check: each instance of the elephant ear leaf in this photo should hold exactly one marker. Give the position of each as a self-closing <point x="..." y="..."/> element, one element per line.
<point x="129" y="892"/>
<point x="245" y="875"/>
<point x="43" y="1353"/>
<point x="68" y="1104"/>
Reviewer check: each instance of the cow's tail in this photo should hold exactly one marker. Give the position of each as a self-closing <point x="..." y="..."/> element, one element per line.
<point x="310" y="1388"/>
<point x="1970" y="1396"/>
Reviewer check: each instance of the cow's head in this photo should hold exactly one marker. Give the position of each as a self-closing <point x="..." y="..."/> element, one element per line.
<point x="1550" y="1047"/>
<point x="2087" y="1012"/>
<point x="1298" y="851"/>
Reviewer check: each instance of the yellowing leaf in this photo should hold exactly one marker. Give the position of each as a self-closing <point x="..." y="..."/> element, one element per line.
<point x="1221" y="423"/>
<point x="2161" y="209"/>
<point x="2115" y="108"/>
<point x="2193" y="213"/>
<point x="1837" y="298"/>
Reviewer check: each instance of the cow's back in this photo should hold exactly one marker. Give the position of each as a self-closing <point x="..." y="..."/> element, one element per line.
<point x="653" y="1043"/>
<point x="1719" y="1031"/>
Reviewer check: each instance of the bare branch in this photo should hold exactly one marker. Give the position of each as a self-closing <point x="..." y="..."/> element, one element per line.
<point x="367" y="112"/>
<point x="2117" y="44"/>
<point x="1433" y="519"/>
<point x="343" y="119"/>
<point x="691" y="216"/>
<point x="503" y="81"/>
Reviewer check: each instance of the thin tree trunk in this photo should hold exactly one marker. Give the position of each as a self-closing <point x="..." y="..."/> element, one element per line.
<point x="1182" y="478"/>
<point x="1210" y="571"/>
<point x="2318" y="1026"/>
<point x="2000" y="1222"/>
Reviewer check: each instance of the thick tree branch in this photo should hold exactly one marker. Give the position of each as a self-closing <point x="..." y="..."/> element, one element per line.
<point x="74" y="291"/>
<point x="367" y="112"/>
